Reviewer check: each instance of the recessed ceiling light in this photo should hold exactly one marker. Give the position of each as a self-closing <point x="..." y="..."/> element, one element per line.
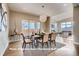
<point x="42" y="6"/>
<point x="65" y="4"/>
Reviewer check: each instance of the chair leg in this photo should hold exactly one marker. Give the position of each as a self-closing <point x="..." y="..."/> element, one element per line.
<point x="50" y="43"/>
<point x="54" y="42"/>
<point x="23" y="45"/>
<point x="47" y="44"/>
<point x="42" y="45"/>
<point x="32" y="45"/>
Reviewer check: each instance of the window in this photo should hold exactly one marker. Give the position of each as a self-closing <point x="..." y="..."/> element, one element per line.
<point x="63" y="25"/>
<point x="24" y="25"/>
<point x="53" y="26"/>
<point x="66" y="25"/>
<point x="69" y="24"/>
<point x="38" y="25"/>
<point x="30" y="25"/>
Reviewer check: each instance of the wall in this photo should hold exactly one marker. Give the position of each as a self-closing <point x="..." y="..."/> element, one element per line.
<point x="45" y="26"/>
<point x="76" y="24"/>
<point x="4" y="35"/>
<point x="17" y="17"/>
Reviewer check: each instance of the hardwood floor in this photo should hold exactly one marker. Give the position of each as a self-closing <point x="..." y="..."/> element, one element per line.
<point x="69" y="49"/>
<point x="10" y="52"/>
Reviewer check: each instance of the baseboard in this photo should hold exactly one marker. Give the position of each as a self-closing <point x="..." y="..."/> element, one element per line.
<point x="14" y="41"/>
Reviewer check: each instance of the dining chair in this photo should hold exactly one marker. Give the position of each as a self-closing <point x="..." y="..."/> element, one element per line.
<point x="53" y="38"/>
<point x="44" y="40"/>
<point x="25" y="41"/>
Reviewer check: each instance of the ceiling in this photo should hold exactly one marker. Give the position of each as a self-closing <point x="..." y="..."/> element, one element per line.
<point x="49" y="9"/>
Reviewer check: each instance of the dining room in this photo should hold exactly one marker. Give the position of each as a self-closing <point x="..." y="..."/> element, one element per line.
<point x="34" y="31"/>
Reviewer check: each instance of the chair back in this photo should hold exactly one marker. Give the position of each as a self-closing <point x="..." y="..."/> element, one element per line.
<point x="45" y="38"/>
<point x="53" y="36"/>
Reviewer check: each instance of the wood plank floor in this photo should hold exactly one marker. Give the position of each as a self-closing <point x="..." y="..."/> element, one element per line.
<point x="68" y="50"/>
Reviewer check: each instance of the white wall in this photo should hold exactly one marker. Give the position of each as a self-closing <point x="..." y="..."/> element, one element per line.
<point x="16" y="20"/>
<point x="4" y="35"/>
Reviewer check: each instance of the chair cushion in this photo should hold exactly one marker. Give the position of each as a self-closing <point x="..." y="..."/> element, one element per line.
<point x="40" y="41"/>
<point x="43" y="41"/>
<point x="28" y="40"/>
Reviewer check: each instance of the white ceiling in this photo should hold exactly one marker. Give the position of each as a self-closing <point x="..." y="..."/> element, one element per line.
<point x="50" y="9"/>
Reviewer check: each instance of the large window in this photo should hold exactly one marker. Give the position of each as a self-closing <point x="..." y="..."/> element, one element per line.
<point x="30" y="25"/>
